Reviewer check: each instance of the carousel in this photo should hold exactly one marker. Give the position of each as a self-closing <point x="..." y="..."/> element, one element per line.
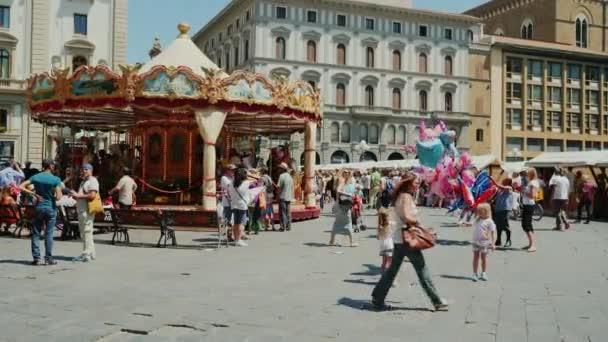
<point x="180" y="115"/>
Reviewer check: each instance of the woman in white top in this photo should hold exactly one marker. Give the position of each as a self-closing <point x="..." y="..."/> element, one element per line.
<point x="238" y="192"/>
<point x="528" y="193"/>
<point x="405" y="215"/>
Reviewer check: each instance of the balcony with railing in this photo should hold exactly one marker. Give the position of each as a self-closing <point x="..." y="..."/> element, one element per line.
<point x="7" y="84"/>
<point x="386" y="112"/>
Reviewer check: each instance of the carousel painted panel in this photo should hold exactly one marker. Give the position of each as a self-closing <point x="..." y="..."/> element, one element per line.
<point x="170" y="83"/>
<point x="92" y="83"/>
<point x="42" y="89"/>
<point x="249" y="88"/>
<point x="304" y="98"/>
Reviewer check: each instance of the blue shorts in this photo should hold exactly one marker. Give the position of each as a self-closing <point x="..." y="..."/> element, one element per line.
<point x="227" y="214"/>
<point x="239" y="216"/>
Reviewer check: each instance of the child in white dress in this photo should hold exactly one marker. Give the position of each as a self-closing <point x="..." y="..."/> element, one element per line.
<point x="484" y="235"/>
<point x="385" y="237"/>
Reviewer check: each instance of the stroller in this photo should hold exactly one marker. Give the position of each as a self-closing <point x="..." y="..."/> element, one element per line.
<point x="356" y="214"/>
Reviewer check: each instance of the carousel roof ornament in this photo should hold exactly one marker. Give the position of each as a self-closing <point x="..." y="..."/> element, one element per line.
<point x="174" y="85"/>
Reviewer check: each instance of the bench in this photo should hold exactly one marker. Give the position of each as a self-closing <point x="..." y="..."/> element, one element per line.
<point x="69" y="217"/>
<point x="165" y="221"/>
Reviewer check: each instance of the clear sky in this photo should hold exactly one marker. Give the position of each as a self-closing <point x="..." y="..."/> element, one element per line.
<point x="159" y="18"/>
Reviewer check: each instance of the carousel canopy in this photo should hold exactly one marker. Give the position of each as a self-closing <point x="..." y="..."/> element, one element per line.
<point x="174" y="85"/>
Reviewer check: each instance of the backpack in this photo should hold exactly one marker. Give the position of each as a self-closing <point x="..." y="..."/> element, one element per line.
<point x="385" y="197"/>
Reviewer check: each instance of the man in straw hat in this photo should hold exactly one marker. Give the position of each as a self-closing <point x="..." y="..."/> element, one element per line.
<point x="286" y="195"/>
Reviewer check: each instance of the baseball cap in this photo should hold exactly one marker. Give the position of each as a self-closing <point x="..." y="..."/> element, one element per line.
<point x="87" y="166"/>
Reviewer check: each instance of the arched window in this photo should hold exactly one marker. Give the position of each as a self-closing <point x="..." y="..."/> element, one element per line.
<point x="5" y="63"/>
<point x="369" y="57"/>
<point x="335" y="132"/>
<point x="422" y="100"/>
<point x="448" y="102"/>
<point x="390" y="135"/>
<point x="369" y="96"/>
<point x="280" y="48"/>
<point x="396" y="98"/>
<point x="373" y="134"/>
<point x="78" y="61"/>
<point x="581" y="32"/>
<point x="401" y="135"/>
<point x="470" y="35"/>
<point x="311" y="51"/>
<point x="396" y="60"/>
<point x="178" y="146"/>
<point x="345" y="137"/>
<point x="422" y="62"/>
<point x="341" y="54"/>
<point x="527" y="29"/>
<point x="363" y="132"/>
<point x="340" y="94"/>
<point x="448" y="66"/>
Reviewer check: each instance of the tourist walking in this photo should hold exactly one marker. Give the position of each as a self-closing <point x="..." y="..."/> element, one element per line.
<point x="385" y="237"/>
<point x="375" y="180"/>
<point x="47" y="190"/>
<point x="366" y="182"/>
<point x="88" y="190"/>
<point x="268" y="212"/>
<point x="405" y="215"/>
<point x="585" y="194"/>
<point x="529" y="191"/>
<point x="503" y="205"/>
<point x="561" y="190"/>
<point x="225" y="182"/>
<point x="126" y="188"/>
<point x="343" y="223"/>
<point x="286" y="195"/>
<point x="484" y="235"/>
<point x="238" y="191"/>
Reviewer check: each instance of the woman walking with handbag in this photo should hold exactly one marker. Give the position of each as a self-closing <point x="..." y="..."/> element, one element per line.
<point x="410" y="238"/>
<point x="88" y="205"/>
<point x="344" y="206"/>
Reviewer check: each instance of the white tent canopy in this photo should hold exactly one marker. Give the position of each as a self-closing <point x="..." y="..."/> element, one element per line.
<point x="510" y="167"/>
<point x="481" y="162"/>
<point x="570" y="159"/>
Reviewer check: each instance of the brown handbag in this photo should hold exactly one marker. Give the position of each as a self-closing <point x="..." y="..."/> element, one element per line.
<point x="418" y="238"/>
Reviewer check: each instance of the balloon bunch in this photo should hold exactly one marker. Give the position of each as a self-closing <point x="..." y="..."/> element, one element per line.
<point x="482" y="190"/>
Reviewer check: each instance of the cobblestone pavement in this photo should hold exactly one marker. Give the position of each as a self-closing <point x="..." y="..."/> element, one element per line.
<point x="292" y="287"/>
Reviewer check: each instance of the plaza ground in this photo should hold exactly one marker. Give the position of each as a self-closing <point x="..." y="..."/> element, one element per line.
<point x="292" y="287"/>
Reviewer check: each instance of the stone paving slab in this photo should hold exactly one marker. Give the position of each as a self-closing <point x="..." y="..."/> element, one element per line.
<point x="292" y="287"/>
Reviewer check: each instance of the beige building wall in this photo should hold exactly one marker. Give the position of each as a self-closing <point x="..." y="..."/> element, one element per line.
<point x="479" y="101"/>
<point x="121" y="16"/>
<point x="553" y="20"/>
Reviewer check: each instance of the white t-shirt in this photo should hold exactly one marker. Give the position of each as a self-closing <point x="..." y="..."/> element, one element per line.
<point x="366" y="181"/>
<point x="126" y="186"/>
<point x="225" y="182"/>
<point x="239" y="200"/>
<point x="526" y="200"/>
<point x="91" y="184"/>
<point x="561" y="187"/>
<point x="482" y="232"/>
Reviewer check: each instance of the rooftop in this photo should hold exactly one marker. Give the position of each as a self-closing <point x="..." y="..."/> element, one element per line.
<point x="486" y="7"/>
<point x="403" y="6"/>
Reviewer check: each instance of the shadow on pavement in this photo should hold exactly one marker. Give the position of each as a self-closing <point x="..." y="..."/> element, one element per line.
<point x="444" y="242"/>
<point x="455" y="277"/>
<point x="315" y="244"/>
<point x="360" y="281"/>
<point x="449" y="225"/>
<point x="372" y="270"/>
<point x="29" y="261"/>
<point x="366" y="305"/>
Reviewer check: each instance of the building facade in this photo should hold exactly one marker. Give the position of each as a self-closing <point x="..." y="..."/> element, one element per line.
<point x="570" y="22"/>
<point x="554" y="98"/>
<point x="549" y="76"/>
<point x="38" y="35"/>
<point x="382" y="67"/>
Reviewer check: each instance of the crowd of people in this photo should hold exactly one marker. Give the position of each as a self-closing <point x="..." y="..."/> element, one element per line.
<point x="47" y="194"/>
<point x="395" y="194"/>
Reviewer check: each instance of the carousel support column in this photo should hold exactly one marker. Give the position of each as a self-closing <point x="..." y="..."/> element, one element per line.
<point x="209" y="125"/>
<point x="309" y="162"/>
